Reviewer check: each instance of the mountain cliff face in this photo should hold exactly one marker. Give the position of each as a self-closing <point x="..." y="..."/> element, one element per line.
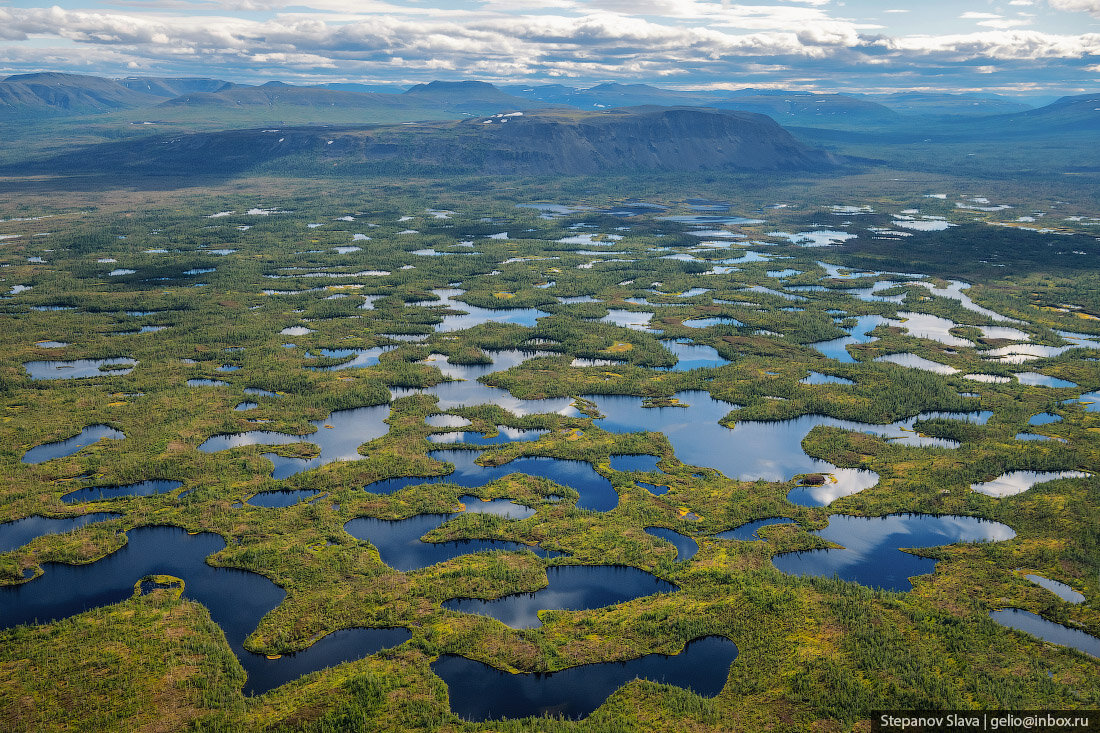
<point x="540" y="143"/>
<point x="638" y="138"/>
<point x="51" y="93"/>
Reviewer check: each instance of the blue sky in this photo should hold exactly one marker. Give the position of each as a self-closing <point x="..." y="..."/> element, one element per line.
<point x="1008" y="46"/>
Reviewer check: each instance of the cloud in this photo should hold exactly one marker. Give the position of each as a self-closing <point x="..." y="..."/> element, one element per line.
<point x="1084" y="6"/>
<point x="797" y="44"/>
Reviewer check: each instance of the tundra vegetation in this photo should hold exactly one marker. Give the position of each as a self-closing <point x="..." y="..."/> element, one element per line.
<point x="268" y="284"/>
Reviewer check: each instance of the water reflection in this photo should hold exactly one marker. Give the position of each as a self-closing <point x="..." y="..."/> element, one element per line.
<point x="1017" y="482"/>
<point x="1030" y="623"/>
<point x="102" y="493"/>
<point x="504" y="435"/>
<point x="748" y="532"/>
<point x="399" y="544"/>
<point x="860" y="334"/>
<point x="571" y="588"/>
<point x="596" y="492"/>
<point x="1063" y="591"/>
<point x="282" y="498"/>
<point x="363" y="358"/>
<point x="469" y="392"/>
<point x="872" y="554"/>
<point x="753" y="450"/>
<point x="349" y="429"/>
<point x="69" y="446"/>
<point x="479" y="692"/>
<point x="474" y="315"/>
<point x="23" y="531"/>
<point x="79" y="368"/>
<point x="685" y="546"/>
<point x="912" y="361"/>
<point x="236" y="600"/>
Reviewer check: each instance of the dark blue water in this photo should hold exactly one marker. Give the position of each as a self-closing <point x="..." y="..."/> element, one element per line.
<point x="22" y="531"/>
<point x="871" y="554"/>
<point x="236" y="599"/>
<point x="1015" y="618"/>
<point x="596" y="492"/>
<point x="69" y="446"/>
<point x="571" y="588"/>
<point x="479" y="692"/>
<point x="685" y="546"/>
<point x="654" y="489"/>
<point x="644" y="463"/>
<point x="277" y="499"/>
<point x="143" y="488"/>
<point x="747" y="532"/>
<point x="399" y="544"/>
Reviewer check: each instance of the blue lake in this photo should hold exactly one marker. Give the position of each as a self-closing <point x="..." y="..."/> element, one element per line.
<point x="504" y="435"/>
<point x="1030" y="623"/>
<point x="340" y="442"/>
<point x="571" y="588"/>
<point x="860" y="334"/>
<point x="100" y="493"/>
<point x="22" y="531"/>
<point x="361" y="358"/>
<point x="479" y="692"/>
<point x="400" y="546"/>
<point x="644" y="463"/>
<point x="685" y="546"/>
<point x="279" y="499"/>
<point x="596" y="492"/>
<point x="79" y="368"/>
<point x="747" y="532"/>
<point x="872" y="554"/>
<point x="69" y="446"/>
<point x="236" y="600"/>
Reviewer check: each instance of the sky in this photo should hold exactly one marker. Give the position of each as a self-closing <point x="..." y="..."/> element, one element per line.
<point x="1038" y="47"/>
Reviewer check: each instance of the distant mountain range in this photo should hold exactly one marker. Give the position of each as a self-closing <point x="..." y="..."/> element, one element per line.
<point x="539" y="143"/>
<point x="45" y="94"/>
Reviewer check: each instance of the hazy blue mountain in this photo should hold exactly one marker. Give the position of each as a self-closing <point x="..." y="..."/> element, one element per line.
<point x="937" y="104"/>
<point x="168" y="88"/>
<point x="50" y="93"/>
<point x="809" y="110"/>
<point x="474" y="97"/>
<point x="542" y="143"/>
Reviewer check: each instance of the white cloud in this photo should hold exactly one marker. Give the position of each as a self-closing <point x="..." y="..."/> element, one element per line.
<point x="1085" y="6"/>
<point x="797" y="44"/>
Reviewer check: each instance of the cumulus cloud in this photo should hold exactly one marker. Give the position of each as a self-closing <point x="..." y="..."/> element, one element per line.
<point x="797" y="42"/>
<point x="1084" y="6"/>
